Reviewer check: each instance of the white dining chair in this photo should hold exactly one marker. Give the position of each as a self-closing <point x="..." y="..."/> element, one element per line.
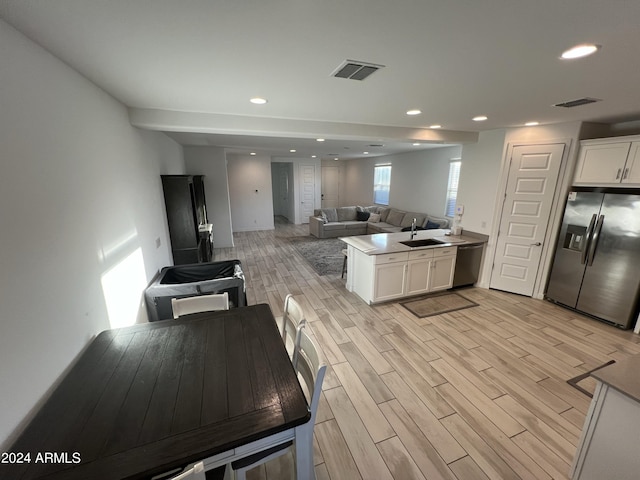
<point x="201" y="303"/>
<point x="289" y="324"/>
<point x="196" y="472"/>
<point x="310" y="369"/>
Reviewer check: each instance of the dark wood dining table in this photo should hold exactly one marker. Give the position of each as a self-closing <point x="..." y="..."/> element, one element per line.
<point x="146" y="399"/>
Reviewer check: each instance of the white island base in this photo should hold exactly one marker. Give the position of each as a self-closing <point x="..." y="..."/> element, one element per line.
<point x="379" y="268"/>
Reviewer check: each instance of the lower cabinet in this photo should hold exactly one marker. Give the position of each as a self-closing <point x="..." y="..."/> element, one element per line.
<point x="442" y="273"/>
<point x="404" y="274"/>
<point x="419" y="273"/>
<point x="389" y="281"/>
<point x="608" y="446"/>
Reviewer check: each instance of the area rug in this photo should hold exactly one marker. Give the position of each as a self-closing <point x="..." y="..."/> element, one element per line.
<point x="575" y="381"/>
<point x="437" y="304"/>
<point x="324" y="255"/>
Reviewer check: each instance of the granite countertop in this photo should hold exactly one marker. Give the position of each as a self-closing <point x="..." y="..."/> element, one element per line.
<point x="381" y="243"/>
<point x="623" y="376"/>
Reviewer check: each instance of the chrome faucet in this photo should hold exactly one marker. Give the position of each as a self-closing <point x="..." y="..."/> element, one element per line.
<point x="413" y="228"/>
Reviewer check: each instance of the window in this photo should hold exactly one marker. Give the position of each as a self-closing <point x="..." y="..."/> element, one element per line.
<point x="381" y="184"/>
<point x="452" y="188"/>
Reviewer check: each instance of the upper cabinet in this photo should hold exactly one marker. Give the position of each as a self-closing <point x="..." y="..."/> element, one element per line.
<point x="609" y="162"/>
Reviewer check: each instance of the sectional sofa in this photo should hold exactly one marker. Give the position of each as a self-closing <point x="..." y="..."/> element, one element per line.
<point x="356" y="220"/>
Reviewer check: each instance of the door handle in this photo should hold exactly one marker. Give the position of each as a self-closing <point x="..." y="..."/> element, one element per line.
<point x="587" y="236"/>
<point x="537" y="244"/>
<point x="594" y="241"/>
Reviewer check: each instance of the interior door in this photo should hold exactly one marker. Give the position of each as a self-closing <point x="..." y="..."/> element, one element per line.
<point x="531" y="184"/>
<point x="307" y="191"/>
<point x="330" y="187"/>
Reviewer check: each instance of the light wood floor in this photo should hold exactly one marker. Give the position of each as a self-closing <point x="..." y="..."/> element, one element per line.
<point x="474" y="394"/>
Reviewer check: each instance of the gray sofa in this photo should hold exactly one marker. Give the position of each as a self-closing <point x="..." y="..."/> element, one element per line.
<point x="356" y="220"/>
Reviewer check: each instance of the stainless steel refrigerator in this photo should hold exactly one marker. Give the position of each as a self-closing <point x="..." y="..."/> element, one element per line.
<point x="596" y="268"/>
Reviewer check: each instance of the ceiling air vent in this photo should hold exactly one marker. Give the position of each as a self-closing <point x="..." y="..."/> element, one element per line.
<point x="355" y="70"/>
<point x="577" y="103"/>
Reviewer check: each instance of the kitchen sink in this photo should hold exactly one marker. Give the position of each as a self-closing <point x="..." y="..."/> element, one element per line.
<point x="426" y="242"/>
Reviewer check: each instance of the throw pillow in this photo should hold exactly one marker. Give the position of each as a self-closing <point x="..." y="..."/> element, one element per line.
<point x="346" y="214"/>
<point x="374" y="218"/>
<point x="332" y="215"/>
<point x="395" y="217"/>
<point x="324" y="217"/>
<point x="431" y="225"/>
<point x="362" y="216"/>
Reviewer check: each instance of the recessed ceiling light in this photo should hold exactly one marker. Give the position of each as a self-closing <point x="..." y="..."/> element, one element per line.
<point x="293" y="150"/>
<point x="319" y="139"/>
<point x="252" y="153"/>
<point x="580" y="51"/>
<point x="365" y="153"/>
<point x="416" y="144"/>
<point x="336" y="158"/>
<point x="313" y="156"/>
<point x="258" y="100"/>
<point x="480" y="118"/>
<point x="435" y="126"/>
<point x="532" y="124"/>
<point x="414" y="112"/>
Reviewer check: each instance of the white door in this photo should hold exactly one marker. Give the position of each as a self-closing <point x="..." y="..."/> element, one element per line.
<point x="531" y="184"/>
<point x="330" y="187"/>
<point x="307" y="192"/>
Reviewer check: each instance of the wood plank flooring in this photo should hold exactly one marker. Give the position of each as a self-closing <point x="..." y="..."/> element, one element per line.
<point x="475" y="394"/>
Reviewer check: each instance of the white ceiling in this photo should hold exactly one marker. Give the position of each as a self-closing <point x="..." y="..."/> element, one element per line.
<point x="191" y="66"/>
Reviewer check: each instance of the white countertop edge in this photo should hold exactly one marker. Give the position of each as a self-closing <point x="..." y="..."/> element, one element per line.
<point x="381" y="243"/>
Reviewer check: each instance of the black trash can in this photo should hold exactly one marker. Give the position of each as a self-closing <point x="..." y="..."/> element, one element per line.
<point x="192" y="280"/>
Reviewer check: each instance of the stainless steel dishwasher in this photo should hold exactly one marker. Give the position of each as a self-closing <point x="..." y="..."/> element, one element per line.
<point x="468" y="262"/>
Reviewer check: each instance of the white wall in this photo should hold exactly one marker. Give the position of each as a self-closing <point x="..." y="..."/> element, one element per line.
<point x="80" y="197"/>
<point x="418" y="180"/>
<point x="250" y="192"/>
<point x="212" y="163"/>
<point x="479" y="177"/>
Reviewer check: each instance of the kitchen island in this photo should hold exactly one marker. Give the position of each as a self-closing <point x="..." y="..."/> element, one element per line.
<point x="608" y="446"/>
<point x="380" y="267"/>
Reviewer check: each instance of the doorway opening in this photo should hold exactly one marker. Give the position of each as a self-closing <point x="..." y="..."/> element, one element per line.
<point x="283" y="192"/>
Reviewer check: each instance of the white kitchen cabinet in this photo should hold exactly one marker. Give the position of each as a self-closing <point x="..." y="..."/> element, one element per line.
<point x="380" y="278"/>
<point x="632" y="174"/>
<point x="419" y="272"/>
<point x="389" y="281"/>
<point x="609" y="162"/>
<point x="442" y="273"/>
<point x="608" y="446"/>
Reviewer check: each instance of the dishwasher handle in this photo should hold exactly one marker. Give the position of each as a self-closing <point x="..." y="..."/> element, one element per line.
<point x="471" y="247"/>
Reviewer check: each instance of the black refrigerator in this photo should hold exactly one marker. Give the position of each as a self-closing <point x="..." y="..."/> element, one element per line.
<point x="189" y="230"/>
<point x="596" y="268"/>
